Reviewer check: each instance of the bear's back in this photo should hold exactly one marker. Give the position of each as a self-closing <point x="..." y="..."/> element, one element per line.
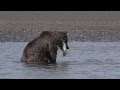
<point x="45" y="39"/>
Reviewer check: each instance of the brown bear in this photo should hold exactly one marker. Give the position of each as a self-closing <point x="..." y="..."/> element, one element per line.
<point x="43" y="49"/>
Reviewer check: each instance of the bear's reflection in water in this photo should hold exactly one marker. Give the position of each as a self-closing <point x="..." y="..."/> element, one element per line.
<point x="57" y="66"/>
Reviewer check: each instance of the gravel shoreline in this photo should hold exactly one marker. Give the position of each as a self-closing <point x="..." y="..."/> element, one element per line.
<point x="95" y="26"/>
<point x="24" y="31"/>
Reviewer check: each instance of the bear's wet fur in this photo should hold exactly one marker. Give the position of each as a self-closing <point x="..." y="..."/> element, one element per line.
<point x="43" y="49"/>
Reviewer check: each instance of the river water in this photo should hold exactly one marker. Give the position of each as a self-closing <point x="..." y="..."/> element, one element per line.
<point x="84" y="60"/>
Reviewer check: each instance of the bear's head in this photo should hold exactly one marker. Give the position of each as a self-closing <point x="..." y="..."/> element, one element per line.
<point x="62" y="41"/>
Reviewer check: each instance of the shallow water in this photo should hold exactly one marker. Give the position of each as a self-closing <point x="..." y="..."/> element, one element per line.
<point x="84" y="60"/>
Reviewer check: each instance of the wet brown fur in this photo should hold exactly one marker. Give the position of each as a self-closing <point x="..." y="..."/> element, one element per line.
<point x="43" y="50"/>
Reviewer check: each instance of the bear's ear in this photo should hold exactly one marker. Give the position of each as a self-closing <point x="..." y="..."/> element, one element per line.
<point x="64" y="32"/>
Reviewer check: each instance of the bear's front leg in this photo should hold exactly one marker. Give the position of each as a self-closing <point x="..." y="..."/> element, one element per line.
<point x="53" y="55"/>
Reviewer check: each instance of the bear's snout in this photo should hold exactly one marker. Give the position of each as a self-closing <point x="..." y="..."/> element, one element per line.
<point x="67" y="47"/>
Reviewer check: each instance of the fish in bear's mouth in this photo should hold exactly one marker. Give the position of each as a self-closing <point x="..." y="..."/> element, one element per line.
<point x="64" y="49"/>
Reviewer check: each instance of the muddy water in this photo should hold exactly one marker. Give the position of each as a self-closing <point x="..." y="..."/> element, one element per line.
<point x="84" y="60"/>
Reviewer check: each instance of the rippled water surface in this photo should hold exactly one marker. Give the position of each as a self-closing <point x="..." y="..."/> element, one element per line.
<point x="85" y="60"/>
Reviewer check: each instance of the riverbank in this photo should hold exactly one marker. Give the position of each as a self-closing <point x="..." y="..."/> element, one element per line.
<point x="96" y="26"/>
<point x="22" y="31"/>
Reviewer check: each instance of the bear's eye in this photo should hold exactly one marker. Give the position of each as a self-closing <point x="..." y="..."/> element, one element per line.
<point x="64" y="38"/>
